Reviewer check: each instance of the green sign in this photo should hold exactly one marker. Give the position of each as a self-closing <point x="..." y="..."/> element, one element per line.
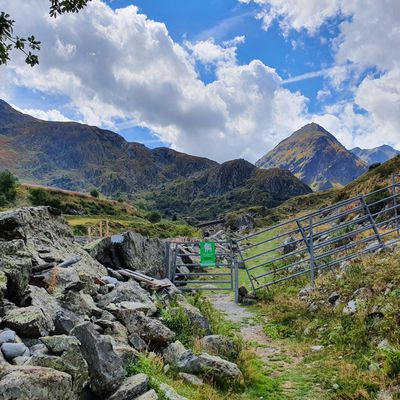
<point x="207" y="254"/>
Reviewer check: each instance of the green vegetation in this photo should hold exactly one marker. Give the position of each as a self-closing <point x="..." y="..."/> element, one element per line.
<point x="95" y="193"/>
<point x="8" y="188"/>
<point x="153" y="217"/>
<point x="361" y="351"/>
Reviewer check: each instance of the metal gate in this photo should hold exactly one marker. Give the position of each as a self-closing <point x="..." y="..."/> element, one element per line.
<point x="322" y="239"/>
<point x="187" y="273"/>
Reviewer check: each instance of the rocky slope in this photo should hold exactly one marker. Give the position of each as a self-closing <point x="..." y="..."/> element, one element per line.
<point x="379" y="154"/>
<point x="226" y="187"/>
<point x="74" y="156"/>
<point x="316" y="157"/>
<point x="71" y="323"/>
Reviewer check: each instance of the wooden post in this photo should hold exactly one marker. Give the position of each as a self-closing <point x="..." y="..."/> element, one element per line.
<point x="89" y="232"/>
<point x="101" y="228"/>
<point x="107" y="228"/>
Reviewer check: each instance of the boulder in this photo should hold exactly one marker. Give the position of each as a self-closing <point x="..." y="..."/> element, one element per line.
<point x="30" y="322"/>
<point x="334" y="298"/>
<point x="129" y="291"/>
<point x="131" y="388"/>
<point x="60" y="343"/>
<point x="13" y="350"/>
<point x="132" y="251"/>
<point x="199" y="321"/>
<point x="219" y="370"/>
<point x="219" y="345"/>
<point x="243" y="222"/>
<point x="8" y="336"/>
<point x="192" y="379"/>
<point x="34" y="383"/>
<point x="350" y="308"/>
<point x="15" y="269"/>
<point x="40" y="298"/>
<point x="181" y="358"/>
<point x="105" y="366"/>
<point x="170" y="393"/>
<point x="137" y="342"/>
<point x="289" y="245"/>
<point x="44" y="234"/>
<point x="150" y="395"/>
<point x="126" y="353"/>
<point x="151" y="330"/>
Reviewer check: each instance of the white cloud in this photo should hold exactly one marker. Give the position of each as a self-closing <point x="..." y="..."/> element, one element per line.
<point x="121" y="66"/>
<point x="49" y="115"/>
<point x="369" y="38"/>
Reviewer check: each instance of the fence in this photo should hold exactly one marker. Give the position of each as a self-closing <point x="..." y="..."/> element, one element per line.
<point x="322" y="239"/>
<point x="187" y="273"/>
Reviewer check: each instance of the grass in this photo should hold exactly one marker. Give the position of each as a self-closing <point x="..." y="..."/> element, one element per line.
<point x="351" y="364"/>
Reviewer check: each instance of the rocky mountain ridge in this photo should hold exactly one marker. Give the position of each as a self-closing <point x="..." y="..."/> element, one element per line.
<point x="316" y="157"/>
<point x="379" y="154"/>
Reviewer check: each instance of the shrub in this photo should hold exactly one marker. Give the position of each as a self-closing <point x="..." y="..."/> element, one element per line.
<point x="95" y="193"/>
<point x="40" y="197"/>
<point x="153" y="217"/>
<point x="8" y="186"/>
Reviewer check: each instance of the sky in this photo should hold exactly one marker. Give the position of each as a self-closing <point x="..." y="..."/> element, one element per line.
<point x="222" y="79"/>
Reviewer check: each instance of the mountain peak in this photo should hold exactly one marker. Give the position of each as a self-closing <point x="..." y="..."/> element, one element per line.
<point x="379" y="154"/>
<point x="316" y="157"/>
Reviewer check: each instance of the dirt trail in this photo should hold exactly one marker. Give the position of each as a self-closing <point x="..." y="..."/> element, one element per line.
<point x="276" y="359"/>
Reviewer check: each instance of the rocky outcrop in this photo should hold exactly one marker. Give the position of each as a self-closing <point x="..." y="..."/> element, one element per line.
<point x="132" y="251"/>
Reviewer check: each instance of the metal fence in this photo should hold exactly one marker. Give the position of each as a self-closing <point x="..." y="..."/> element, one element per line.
<point x="187" y="273"/>
<point x="322" y="239"/>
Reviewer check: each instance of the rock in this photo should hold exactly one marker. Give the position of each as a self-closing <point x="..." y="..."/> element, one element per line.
<point x="39" y="349"/>
<point x="242" y="222"/>
<point x="289" y="245"/>
<point x="150" y="395"/>
<point x="220" y="345"/>
<point x="21" y="360"/>
<point x="305" y="292"/>
<point x="115" y="274"/>
<point x="129" y="291"/>
<point x="317" y="348"/>
<point x="79" y="303"/>
<point x="125" y="353"/>
<point x="105" y="367"/>
<point x="69" y="359"/>
<point x="109" y="280"/>
<point x="170" y="393"/>
<point x="8" y="336"/>
<point x="199" y="321"/>
<point x="137" y="342"/>
<point x="219" y="370"/>
<point x="46" y="237"/>
<point x="350" y="308"/>
<point x="151" y="330"/>
<point x="29" y="322"/>
<point x="148" y="308"/>
<point x="181" y="358"/>
<point x="192" y="379"/>
<point x="362" y="294"/>
<point x="15" y="269"/>
<point x="42" y="299"/>
<point x="34" y="383"/>
<point x="60" y="343"/>
<point x="12" y="350"/>
<point x="384" y="345"/>
<point x="131" y="388"/>
<point x="132" y="251"/>
<point x="63" y="324"/>
<point x="334" y="298"/>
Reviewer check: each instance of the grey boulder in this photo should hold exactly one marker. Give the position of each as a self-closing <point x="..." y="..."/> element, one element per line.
<point x="181" y="358"/>
<point x="13" y="350"/>
<point x="131" y="388"/>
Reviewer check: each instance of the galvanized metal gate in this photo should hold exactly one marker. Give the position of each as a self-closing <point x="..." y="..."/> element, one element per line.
<point x="187" y="273"/>
<point x="322" y="239"/>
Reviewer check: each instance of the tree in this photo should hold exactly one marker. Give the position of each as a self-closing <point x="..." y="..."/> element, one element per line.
<point x="8" y="186"/>
<point x="95" y="193"/>
<point x="154" y="217"/>
<point x="8" y="41"/>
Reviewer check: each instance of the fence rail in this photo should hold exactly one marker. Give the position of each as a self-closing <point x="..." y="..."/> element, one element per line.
<point x="322" y="239"/>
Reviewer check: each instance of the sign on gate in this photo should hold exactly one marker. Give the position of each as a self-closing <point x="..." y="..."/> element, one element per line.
<point x="207" y="254"/>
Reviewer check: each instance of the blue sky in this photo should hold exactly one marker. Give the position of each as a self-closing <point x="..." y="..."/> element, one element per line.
<point x="217" y="78"/>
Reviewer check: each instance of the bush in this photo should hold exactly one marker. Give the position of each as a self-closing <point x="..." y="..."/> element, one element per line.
<point x="154" y="217"/>
<point x="95" y="193"/>
<point x="3" y="200"/>
<point x="8" y="186"/>
<point x="40" y="197"/>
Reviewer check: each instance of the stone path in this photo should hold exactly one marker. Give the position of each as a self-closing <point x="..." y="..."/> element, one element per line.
<point x="276" y="359"/>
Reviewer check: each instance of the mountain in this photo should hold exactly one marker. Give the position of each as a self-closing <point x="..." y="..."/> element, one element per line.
<point x="79" y="157"/>
<point x="379" y="154"/>
<point x="316" y="157"/>
<point x="230" y="186"/>
<point x="74" y="156"/>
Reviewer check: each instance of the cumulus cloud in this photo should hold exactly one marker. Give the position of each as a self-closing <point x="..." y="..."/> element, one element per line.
<point x="49" y="115"/>
<point x="368" y="39"/>
<point x="119" y="65"/>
